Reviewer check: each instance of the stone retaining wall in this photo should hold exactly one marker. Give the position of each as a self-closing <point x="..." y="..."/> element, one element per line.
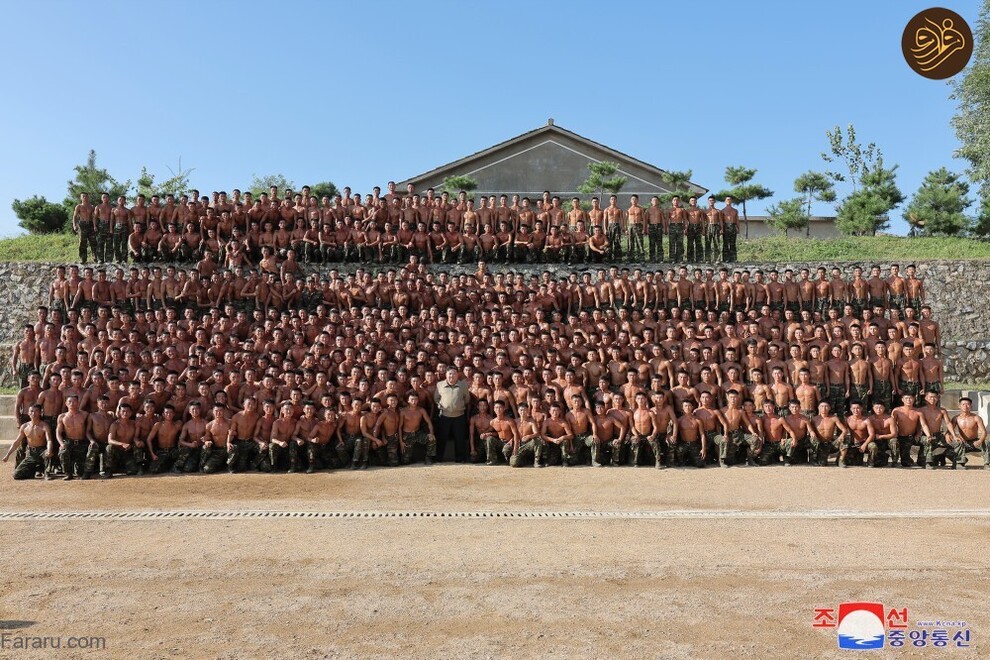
<point x="958" y="291"/>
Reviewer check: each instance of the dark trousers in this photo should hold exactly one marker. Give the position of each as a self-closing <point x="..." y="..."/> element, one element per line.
<point x="454" y="429"/>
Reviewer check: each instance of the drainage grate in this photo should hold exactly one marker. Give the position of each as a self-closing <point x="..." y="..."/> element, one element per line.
<point x="690" y="514"/>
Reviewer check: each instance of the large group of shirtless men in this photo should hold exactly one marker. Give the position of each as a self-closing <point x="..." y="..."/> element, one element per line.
<point x="388" y="229"/>
<point x="193" y="372"/>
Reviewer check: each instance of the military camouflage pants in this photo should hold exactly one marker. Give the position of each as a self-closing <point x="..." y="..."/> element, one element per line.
<point x="614" y="236"/>
<point x="656" y="242"/>
<point x="837" y="399"/>
<point x="565" y="451"/>
<point x="529" y="450"/>
<point x="118" y="249"/>
<point x="729" y="445"/>
<point x="792" y="450"/>
<point x="129" y="461"/>
<point x="243" y="456"/>
<point x="494" y="446"/>
<point x="72" y="456"/>
<point x="165" y="459"/>
<point x="596" y="448"/>
<point x="690" y="453"/>
<point x="900" y="450"/>
<point x="820" y="449"/>
<point x="860" y="393"/>
<point x="882" y="393"/>
<point x="637" y="445"/>
<point x="618" y="450"/>
<point x="713" y="251"/>
<point x="278" y="458"/>
<point x="354" y="451"/>
<point x="954" y="452"/>
<point x="104" y="243"/>
<point x="96" y="459"/>
<point x="694" y="250"/>
<point x="427" y="440"/>
<point x="729" y="243"/>
<point x="212" y="459"/>
<point x="187" y="459"/>
<point x="33" y="463"/>
<point x="636" y="251"/>
<point x="676" y="236"/>
<point x="389" y="453"/>
<point x="87" y="241"/>
<point x="911" y="387"/>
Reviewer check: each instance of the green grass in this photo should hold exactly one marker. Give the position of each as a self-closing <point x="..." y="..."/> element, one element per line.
<point x="61" y="248"/>
<point x="977" y="385"/>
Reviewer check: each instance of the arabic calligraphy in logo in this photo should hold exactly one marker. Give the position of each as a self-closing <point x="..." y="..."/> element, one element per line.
<point x="937" y="43"/>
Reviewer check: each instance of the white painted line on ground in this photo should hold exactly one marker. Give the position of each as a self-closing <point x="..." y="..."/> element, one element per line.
<point x="687" y="514"/>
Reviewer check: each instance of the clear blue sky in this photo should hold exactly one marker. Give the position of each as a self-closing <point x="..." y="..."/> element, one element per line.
<point x="363" y="92"/>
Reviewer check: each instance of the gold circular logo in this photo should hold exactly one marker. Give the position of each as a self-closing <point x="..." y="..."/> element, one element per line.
<point x="937" y="43"/>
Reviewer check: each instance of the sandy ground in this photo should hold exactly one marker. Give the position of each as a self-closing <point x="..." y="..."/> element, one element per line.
<point x="732" y="587"/>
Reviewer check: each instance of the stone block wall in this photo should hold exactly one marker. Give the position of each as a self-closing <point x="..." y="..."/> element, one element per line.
<point x="958" y="292"/>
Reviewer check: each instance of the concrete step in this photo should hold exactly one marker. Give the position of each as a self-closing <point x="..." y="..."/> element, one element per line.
<point x="8" y="428"/>
<point x="7" y="404"/>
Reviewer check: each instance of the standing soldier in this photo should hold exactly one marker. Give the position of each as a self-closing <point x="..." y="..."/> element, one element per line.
<point x="675" y="230"/>
<point x="695" y="225"/>
<point x="614" y="221"/>
<point x="730" y="230"/>
<point x="713" y="231"/>
<point x="656" y="227"/>
<point x="121" y="230"/>
<point x="84" y="224"/>
<point x="104" y="213"/>
<point x="636" y="222"/>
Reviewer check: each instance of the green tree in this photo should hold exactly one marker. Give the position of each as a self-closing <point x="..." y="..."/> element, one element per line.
<point x="455" y="184"/>
<point x="788" y="214"/>
<point x="39" y="216"/>
<point x="982" y="225"/>
<point x="815" y="187"/>
<point x="93" y="180"/>
<point x="176" y="185"/>
<point x="603" y="178"/>
<point x="323" y="189"/>
<point x="742" y="189"/>
<point x="972" y="119"/>
<point x="937" y="207"/>
<point x="856" y="158"/>
<point x="262" y="184"/>
<point x="867" y="210"/>
<point x="679" y="184"/>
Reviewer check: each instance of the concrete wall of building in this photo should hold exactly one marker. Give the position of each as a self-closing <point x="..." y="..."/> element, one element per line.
<point x="958" y="292"/>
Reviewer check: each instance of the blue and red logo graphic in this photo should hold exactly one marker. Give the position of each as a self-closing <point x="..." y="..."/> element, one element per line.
<point x="861" y="626"/>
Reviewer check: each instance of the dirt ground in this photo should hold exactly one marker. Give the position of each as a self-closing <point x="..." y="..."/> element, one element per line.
<point x="735" y="586"/>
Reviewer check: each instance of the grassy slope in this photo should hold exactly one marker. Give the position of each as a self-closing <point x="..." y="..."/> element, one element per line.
<point x="62" y="248"/>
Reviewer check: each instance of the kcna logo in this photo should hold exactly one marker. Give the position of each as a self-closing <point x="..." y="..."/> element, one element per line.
<point x="861" y="626"/>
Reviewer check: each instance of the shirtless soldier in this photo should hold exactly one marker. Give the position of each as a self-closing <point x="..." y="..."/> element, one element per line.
<point x="526" y="440"/>
<point x="414" y="417"/>
<point x="40" y="446"/>
<point x="163" y="441"/>
<point x="190" y="440"/>
<point x="829" y="436"/>
<point x="70" y="432"/>
<point x="216" y="443"/>
<point x="243" y="449"/>
<point x="971" y="430"/>
<point x="910" y="425"/>
<point x="387" y="427"/>
<point x="559" y="437"/>
<point x="861" y="443"/>
<point x="501" y="436"/>
<point x="123" y="445"/>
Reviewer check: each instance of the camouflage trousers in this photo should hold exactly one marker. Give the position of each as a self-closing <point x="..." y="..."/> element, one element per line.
<point x="837" y="399"/>
<point x="165" y="460"/>
<point x="96" y="459"/>
<point x="72" y="456"/>
<point x="531" y="449"/>
<point x="614" y="236"/>
<point x="860" y="393"/>
<point x="596" y="448"/>
<point x="820" y="449"/>
<point x="212" y="459"/>
<point x="276" y="459"/>
<point x="728" y="446"/>
<point x="187" y="459"/>
<point x="618" y="450"/>
<point x="676" y="236"/>
<point x="244" y="455"/>
<point x="713" y="249"/>
<point x="937" y="445"/>
<point x="638" y="443"/>
<point x="882" y="393"/>
<point x="694" y="249"/>
<point x="791" y="450"/>
<point x="636" y="251"/>
<point x="354" y="451"/>
<point x="655" y="233"/>
<point x="566" y="451"/>
<point x="33" y="463"/>
<point x="900" y="450"/>
<point x="104" y="243"/>
<point x="388" y="454"/>
<point x="729" y="243"/>
<point x="428" y="440"/>
<point x="494" y="447"/>
<point x="129" y="461"/>
<point x="689" y="453"/>
<point x="911" y="387"/>
<point x="87" y="241"/>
